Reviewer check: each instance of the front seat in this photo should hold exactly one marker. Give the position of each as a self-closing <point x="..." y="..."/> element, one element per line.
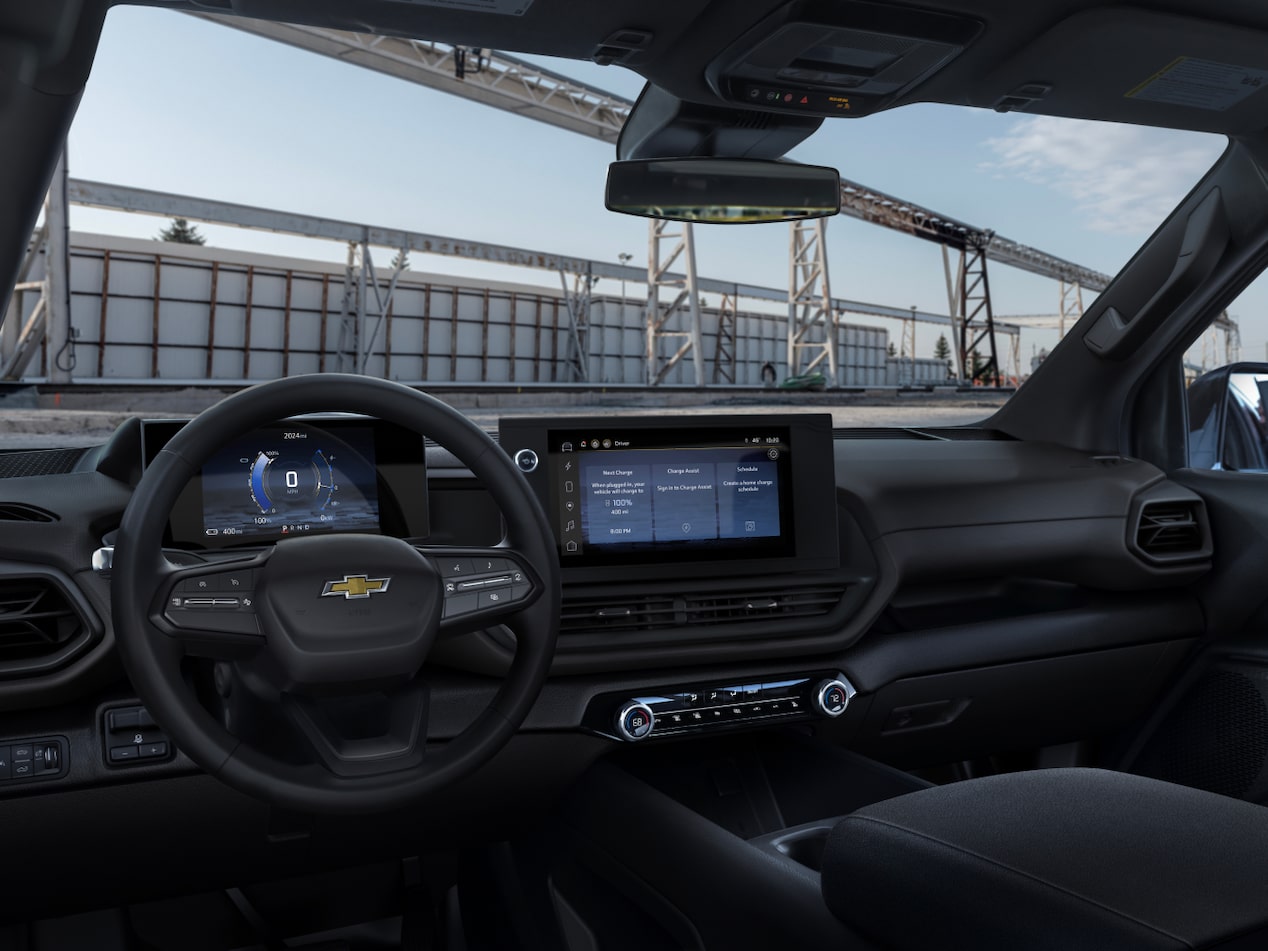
<point x="1053" y="860"/>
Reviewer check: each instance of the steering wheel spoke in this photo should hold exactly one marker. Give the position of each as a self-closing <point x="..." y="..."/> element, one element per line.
<point x="330" y="630"/>
<point x="211" y="609"/>
<point x="364" y="734"/>
<point x="482" y="586"/>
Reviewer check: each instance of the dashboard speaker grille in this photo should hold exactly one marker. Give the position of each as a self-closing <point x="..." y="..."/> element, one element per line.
<point x="22" y="464"/>
<point x="1216" y="737"/>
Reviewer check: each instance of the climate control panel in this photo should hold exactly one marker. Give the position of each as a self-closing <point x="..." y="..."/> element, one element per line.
<point x="679" y="710"/>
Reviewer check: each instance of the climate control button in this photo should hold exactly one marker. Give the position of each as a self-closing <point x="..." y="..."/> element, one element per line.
<point x="831" y="697"/>
<point x="635" y="721"/>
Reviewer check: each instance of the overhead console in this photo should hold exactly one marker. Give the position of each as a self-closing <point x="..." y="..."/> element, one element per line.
<point x="837" y="59"/>
<point x="643" y="499"/>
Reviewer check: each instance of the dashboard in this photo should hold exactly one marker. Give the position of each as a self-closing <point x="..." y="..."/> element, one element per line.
<point x="915" y="596"/>
<point x="918" y="569"/>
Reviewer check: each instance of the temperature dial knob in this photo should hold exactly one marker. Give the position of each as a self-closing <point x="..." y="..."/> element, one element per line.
<point x="831" y="697"/>
<point x="635" y="721"/>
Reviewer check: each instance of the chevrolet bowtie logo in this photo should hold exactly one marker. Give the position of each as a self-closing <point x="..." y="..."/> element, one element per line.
<point x="355" y="586"/>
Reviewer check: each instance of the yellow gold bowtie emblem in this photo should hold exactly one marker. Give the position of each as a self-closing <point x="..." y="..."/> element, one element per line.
<point x="355" y="586"/>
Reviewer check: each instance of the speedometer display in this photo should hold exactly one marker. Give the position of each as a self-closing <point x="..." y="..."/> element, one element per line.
<point x="292" y="479"/>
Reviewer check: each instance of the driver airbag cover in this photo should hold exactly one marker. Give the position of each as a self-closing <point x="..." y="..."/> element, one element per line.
<point x="343" y="609"/>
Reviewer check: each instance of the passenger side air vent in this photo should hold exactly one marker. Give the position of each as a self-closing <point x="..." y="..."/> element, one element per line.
<point x="39" y="625"/>
<point x="724" y="608"/>
<point x="1172" y="530"/>
<point x="695" y="609"/>
<point x="20" y="512"/>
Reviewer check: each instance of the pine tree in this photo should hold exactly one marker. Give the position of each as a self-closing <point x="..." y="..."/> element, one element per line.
<point x="181" y="231"/>
<point x="401" y="261"/>
<point x="980" y="365"/>
<point x="942" y="349"/>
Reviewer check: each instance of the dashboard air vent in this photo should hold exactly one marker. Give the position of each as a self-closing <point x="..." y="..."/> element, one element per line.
<point x="634" y="613"/>
<point x="20" y="512"/>
<point x="795" y="602"/>
<point x="1172" y="530"/>
<point x="36" y="619"/>
<point x="695" y="609"/>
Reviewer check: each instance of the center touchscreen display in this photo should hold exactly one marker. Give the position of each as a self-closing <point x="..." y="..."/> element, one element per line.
<point x="622" y="495"/>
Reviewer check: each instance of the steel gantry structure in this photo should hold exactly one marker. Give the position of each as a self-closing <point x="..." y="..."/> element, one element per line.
<point x="518" y="86"/>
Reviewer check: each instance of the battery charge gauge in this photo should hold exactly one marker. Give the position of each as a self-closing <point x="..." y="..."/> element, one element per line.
<point x="283" y="482"/>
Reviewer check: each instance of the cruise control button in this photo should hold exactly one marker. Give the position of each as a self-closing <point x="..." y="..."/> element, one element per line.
<point x="457" y="604"/>
<point x="203" y="584"/>
<point x="230" y="581"/>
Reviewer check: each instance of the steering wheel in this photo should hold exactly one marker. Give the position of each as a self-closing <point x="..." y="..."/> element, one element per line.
<point x="334" y="625"/>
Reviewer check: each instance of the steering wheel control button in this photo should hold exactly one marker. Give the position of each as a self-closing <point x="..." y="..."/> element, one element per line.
<point x="526" y="460"/>
<point x="456" y="604"/>
<point x="487" y="565"/>
<point x="203" y="584"/>
<point x="124" y="754"/>
<point x="233" y="582"/>
<point x="635" y="721"/>
<point x="456" y="567"/>
<point x="479" y="584"/>
<point x="832" y="697"/>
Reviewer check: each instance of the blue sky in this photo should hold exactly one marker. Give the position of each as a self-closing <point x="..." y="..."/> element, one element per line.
<point x="182" y="105"/>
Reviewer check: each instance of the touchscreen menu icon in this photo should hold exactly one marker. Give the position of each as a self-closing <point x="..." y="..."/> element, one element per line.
<point x="570" y="536"/>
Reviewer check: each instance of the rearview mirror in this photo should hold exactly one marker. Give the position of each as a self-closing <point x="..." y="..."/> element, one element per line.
<point x="1228" y="418"/>
<point x="722" y="191"/>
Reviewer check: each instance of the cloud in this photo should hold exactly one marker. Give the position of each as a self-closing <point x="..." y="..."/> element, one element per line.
<point x="1123" y="179"/>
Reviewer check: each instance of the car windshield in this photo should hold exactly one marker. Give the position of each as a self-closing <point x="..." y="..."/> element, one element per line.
<point x="302" y="213"/>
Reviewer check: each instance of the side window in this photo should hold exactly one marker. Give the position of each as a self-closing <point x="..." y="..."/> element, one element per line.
<point x="1228" y="405"/>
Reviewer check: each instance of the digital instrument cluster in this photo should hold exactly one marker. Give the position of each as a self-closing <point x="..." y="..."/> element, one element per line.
<point x="292" y="480"/>
<point x="300" y="477"/>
